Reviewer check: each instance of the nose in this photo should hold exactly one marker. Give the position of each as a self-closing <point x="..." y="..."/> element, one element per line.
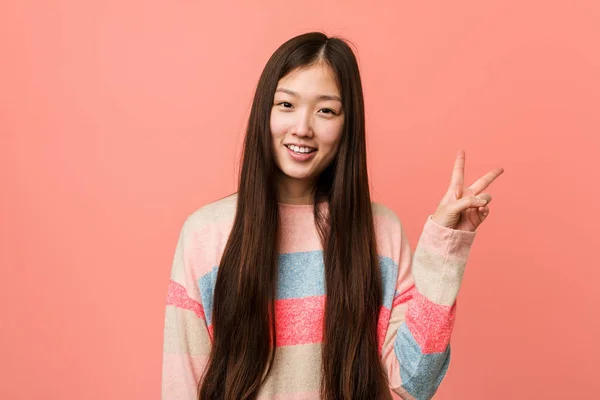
<point x="303" y="127"/>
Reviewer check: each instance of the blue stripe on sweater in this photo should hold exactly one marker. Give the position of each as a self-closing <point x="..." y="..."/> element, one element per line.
<point x="301" y="274"/>
<point x="421" y="373"/>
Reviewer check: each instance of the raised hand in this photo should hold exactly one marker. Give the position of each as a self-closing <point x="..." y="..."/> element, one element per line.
<point x="465" y="208"/>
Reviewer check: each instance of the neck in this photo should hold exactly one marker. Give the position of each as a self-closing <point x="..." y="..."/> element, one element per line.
<point x="294" y="191"/>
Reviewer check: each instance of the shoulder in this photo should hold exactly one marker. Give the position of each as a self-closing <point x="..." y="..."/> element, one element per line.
<point x="220" y="212"/>
<point x="383" y="213"/>
<point x="388" y="230"/>
<point x="204" y="234"/>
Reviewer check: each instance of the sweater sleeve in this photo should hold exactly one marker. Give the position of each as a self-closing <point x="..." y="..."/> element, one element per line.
<point x="416" y="351"/>
<point x="187" y="340"/>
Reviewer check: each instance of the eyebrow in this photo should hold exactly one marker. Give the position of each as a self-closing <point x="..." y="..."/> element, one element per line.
<point x="320" y="97"/>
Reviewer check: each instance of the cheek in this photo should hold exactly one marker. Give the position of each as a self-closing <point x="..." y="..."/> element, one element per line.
<point x="277" y="125"/>
<point x="330" y="137"/>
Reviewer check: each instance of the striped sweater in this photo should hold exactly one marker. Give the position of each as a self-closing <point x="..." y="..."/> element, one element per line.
<point x="414" y="327"/>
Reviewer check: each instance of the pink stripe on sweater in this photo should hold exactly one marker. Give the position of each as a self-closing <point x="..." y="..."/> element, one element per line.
<point x="431" y="324"/>
<point x="404" y="297"/>
<point x="299" y="321"/>
<point x="382" y="326"/>
<point x="177" y="296"/>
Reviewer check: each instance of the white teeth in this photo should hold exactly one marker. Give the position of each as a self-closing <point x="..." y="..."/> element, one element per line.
<point x="300" y="149"/>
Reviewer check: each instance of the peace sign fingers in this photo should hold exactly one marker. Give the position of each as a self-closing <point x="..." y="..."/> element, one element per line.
<point x="465" y="208"/>
<point x="480" y="184"/>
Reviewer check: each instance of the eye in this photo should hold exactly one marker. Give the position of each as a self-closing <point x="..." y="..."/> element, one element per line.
<point x="329" y="111"/>
<point x="285" y="104"/>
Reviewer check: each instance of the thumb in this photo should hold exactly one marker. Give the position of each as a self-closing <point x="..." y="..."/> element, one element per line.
<point x="470" y="202"/>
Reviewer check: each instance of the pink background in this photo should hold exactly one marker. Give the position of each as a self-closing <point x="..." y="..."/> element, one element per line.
<point x="119" y="118"/>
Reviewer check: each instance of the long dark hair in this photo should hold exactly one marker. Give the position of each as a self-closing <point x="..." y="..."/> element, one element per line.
<point x="243" y="320"/>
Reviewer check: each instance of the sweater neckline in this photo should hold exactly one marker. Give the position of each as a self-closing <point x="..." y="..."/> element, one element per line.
<point x="300" y="206"/>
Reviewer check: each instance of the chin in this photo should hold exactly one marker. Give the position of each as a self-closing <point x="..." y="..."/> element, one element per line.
<point x="300" y="177"/>
<point x="290" y="173"/>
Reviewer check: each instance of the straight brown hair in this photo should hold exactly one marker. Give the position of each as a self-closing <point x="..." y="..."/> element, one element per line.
<point x="244" y="340"/>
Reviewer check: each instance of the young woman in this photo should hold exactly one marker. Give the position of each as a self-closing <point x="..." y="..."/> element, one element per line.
<point x="298" y="286"/>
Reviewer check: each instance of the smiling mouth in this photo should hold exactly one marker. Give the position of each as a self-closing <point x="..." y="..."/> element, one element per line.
<point x="301" y="152"/>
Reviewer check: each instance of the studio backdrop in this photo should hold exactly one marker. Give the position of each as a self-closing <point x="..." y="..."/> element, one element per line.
<point x="120" y="118"/>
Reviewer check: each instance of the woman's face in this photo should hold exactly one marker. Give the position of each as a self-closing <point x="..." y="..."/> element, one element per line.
<point x="307" y="112"/>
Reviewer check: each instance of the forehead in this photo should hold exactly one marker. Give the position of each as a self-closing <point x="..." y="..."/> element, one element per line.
<point x="311" y="81"/>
